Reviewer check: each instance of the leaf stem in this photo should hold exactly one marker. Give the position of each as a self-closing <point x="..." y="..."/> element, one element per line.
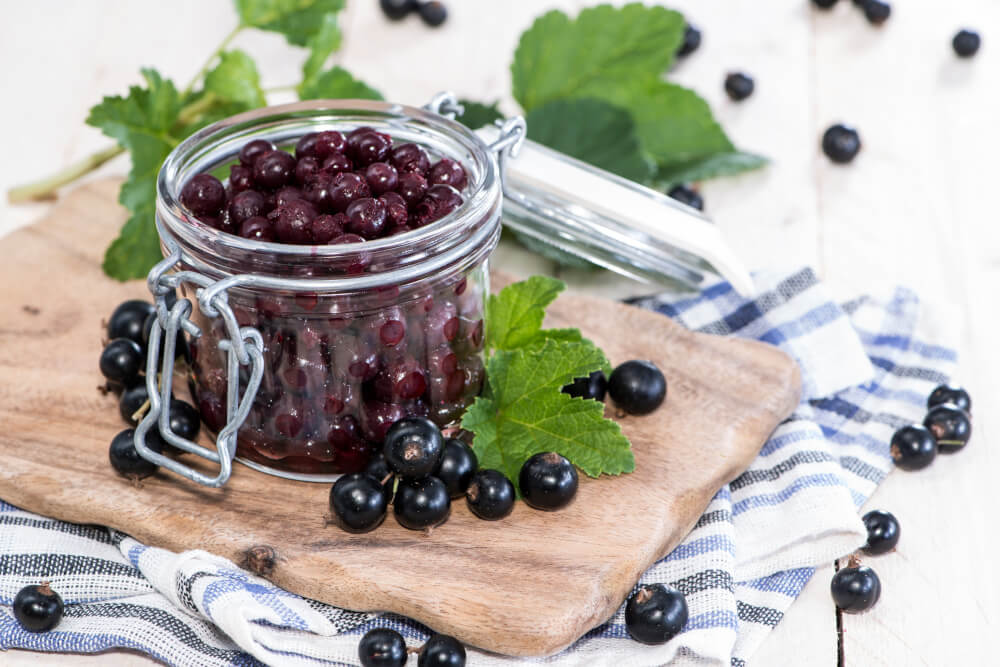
<point x="191" y="112"/>
<point x="215" y="54"/>
<point x="291" y="88"/>
<point x="46" y="187"/>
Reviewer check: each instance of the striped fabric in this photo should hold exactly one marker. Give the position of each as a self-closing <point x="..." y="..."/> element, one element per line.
<point x="868" y="367"/>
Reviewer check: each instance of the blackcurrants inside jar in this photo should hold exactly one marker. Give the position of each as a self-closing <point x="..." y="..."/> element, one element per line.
<point x="393" y="327"/>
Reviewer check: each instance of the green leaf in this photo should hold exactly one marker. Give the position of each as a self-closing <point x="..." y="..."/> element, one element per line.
<point x="235" y="79"/>
<point x="337" y="83"/>
<point x="593" y="131"/>
<point x="713" y="166"/>
<point x="558" y="58"/>
<point x="297" y="20"/>
<point x="515" y="314"/>
<point x="478" y="115"/>
<point x="137" y="248"/>
<point x="325" y="41"/>
<point x="527" y="414"/>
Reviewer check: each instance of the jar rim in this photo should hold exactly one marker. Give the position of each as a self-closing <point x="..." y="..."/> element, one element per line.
<point x="201" y="148"/>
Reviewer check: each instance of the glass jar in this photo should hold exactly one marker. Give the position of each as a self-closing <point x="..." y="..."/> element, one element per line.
<point x="372" y="331"/>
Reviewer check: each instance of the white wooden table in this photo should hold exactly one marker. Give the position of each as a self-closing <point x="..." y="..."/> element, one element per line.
<point x="916" y="208"/>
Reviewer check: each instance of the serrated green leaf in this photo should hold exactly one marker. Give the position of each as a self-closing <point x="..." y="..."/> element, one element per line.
<point x="137" y="248"/>
<point x="527" y="413"/>
<point x="325" y="41"/>
<point x="713" y="166"/>
<point x="337" y="83"/>
<point x="477" y="114"/>
<point x="594" y="131"/>
<point x="515" y="314"/>
<point x="558" y="58"/>
<point x="297" y="20"/>
<point x="235" y="79"/>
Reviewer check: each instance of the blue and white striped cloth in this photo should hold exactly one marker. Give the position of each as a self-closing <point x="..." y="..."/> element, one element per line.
<point x="868" y="367"/>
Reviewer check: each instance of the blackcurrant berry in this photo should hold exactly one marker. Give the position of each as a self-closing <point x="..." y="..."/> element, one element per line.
<point x="441" y="651"/>
<point x="691" y="42"/>
<point x="378" y="468"/>
<point x="913" y="447"/>
<point x="397" y="9"/>
<point x="127" y="320"/>
<point x="841" y="143"/>
<point x="855" y="588"/>
<point x="883" y="532"/>
<point x="273" y="169"/>
<point x="38" y="608"/>
<point x="126" y="460"/>
<point x="204" y="195"/>
<point x="490" y="495"/>
<point x="687" y="196"/>
<point x="456" y="467"/>
<point x="947" y="393"/>
<point x="421" y="503"/>
<point x="382" y="647"/>
<point x="548" y="481"/>
<point x="824" y="4"/>
<point x="132" y="399"/>
<point x="433" y="13"/>
<point x="739" y="86"/>
<point x="950" y="426"/>
<point x="655" y="613"/>
<point x="594" y="386"/>
<point x="254" y="149"/>
<point x="966" y="43"/>
<point x="180" y="346"/>
<point x="637" y="387"/>
<point x="121" y="361"/>
<point x="413" y="446"/>
<point x="358" y="502"/>
<point x="876" y="11"/>
<point x="185" y="420"/>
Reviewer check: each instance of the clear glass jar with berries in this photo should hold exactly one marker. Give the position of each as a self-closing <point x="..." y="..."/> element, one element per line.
<point x="379" y="219"/>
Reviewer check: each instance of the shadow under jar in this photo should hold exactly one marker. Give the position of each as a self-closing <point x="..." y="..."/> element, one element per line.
<point x="387" y="328"/>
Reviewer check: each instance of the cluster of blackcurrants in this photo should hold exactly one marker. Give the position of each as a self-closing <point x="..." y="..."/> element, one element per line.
<point x="419" y="472"/>
<point x="946" y="428"/>
<point x="123" y="364"/>
<point x="384" y="647"/>
<point x="432" y="13"/>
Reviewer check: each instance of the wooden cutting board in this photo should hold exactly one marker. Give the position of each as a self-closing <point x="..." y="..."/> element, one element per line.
<point x="530" y="584"/>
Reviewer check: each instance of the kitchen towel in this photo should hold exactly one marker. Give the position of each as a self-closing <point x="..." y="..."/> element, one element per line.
<point x="868" y="366"/>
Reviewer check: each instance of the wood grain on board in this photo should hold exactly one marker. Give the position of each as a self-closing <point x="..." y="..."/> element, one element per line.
<point x="527" y="585"/>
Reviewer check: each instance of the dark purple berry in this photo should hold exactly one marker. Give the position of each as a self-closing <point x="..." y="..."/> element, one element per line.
<point x="413" y="447"/>
<point x="204" y="195"/>
<point x="446" y="199"/>
<point x="121" y="361"/>
<point x="327" y="143"/>
<point x="251" y="151"/>
<point x="397" y="9"/>
<point x="244" y="206"/>
<point x="365" y="145"/>
<point x="346" y="188"/>
<point x="273" y="169"/>
<point x="395" y="210"/>
<point x="913" y="447"/>
<point x="358" y="502"/>
<point x="132" y="399"/>
<point x="127" y="320"/>
<point x="410" y="158"/>
<point x="257" y="228"/>
<point x="433" y="13"/>
<point x="876" y="11"/>
<point x="382" y="647"/>
<point x="691" y="42"/>
<point x="456" y="467"/>
<point x="336" y="163"/>
<point x="946" y="393"/>
<point x="655" y="613"/>
<point x="687" y="196"/>
<point x="594" y="386"/>
<point x="284" y="195"/>
<point x="950" y="426"/>
<point x="240" y="179"/>
<point x="367" y="217"/>
<point x="306" y="146"/>
<point x="293" y="222"/>
<point x="447" y="172"/>
<point x="412" y="187"/>
<point x="421" y="503"/>
<point x="381" y="177"/>
<point x="883" y="532"/>
<point x="824" y="4"/>
<point x="738" y="86"/>
<point x="327" y="227"/>
<point x="637" y="387"/>
<point x="841" y="143"/>
<point x="548" y="481"/>
<point x="490" y="495"/>
<point x="38" y="608"/>
<point x="184" y="419"/>
<point x="441" y="651"/>
<point x="855" y="588"/>
<point x="125" y="458"/>
<point x="966" y="43"/>
<point x="306" y="170"/>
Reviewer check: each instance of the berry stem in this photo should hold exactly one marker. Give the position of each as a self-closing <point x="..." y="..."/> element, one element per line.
<point x="46" y="187"/>
<point x="141" y="412"/>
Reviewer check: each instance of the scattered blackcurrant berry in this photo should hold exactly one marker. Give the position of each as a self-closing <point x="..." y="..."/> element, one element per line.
<point x="855" y="588"/>
<point x="132" y="399"/>
<point x="127" y="320"/>
<point x="358" y="502"/>
<point x="946" y="393"/>
<point x="841" y="143"/>
<point x="441" y="651"/>
<point x="594" y="386"/>
<point x="38" y="608"/>
<point x="687" y="196"/>
<point x="121" y="361"/>
<point x="490" y="495"/>
<point x="185" y="421"/>
<point x="883" y="532"/>
<point x="913" y="447"/>
<point x="691" y="41"/>
<point x="548" y="481"/>
<point x="433" y="13"/>
<point x="876" y="11"/>
<point x="739" y="86"/>
<point x="421" y="503"/>
<point x="655" y="613"/>
<point x="637" y="387"/>
<point x="397" y="9"/>
<point x="413" y="446"/>
<point x="966" y="43"/>
<point x="456" y="467"/>
<point x="950" y="426"/>
<point x="126" y="460"/>
<point x="382" y="647"/>
<point x="824" y="4"/>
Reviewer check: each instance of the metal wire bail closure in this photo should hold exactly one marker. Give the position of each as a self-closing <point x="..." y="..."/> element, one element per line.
<point x="245" y="346"/>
